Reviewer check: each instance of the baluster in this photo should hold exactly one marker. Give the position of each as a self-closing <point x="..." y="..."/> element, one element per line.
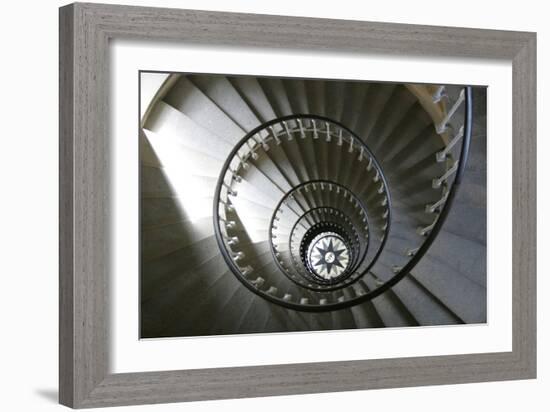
<point x="229" y="224"/>
<point x="412" y="252"/>
<point x="439" y="94"/>
<point x="314" y="125"/>
<point x="423" y="231"/>
<point x="229" y="206"/>
<point x="436" y="183"/>
<point x="232" y="240"/>
<point x="441" y="127"/>
<point x="285" y="125"/>
<point x="274" y="134"/>
<point x="251" y="149"/>
<point x="272" y="290"/>
<point x="236" y="176"/>
<point x="302" y="132"/>
<point x="433" y="207"/>
<point x="243" y="161"/>
<point x="442" y="155"/>
<point x="238" y="256"/>
<point x="328" y="131"/>
<point x="258" y="282"/>
<point x="230" y="191"/>
<point x="265" y="146"/>
<point x="256" y="144"/>
<point x="369" y="166"/>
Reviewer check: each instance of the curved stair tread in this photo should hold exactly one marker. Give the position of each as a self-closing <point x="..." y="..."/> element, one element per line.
<point x="190" y="100"/>
<point x="221" y="91"/>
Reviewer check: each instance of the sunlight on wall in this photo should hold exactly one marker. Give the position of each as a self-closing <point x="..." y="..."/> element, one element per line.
<point x="193" y="194"/>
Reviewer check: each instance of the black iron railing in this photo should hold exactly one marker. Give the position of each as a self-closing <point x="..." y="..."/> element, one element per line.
<point x="310" y="128"/>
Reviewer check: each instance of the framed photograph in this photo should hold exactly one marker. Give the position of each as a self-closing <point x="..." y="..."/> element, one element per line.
<point x="258" y="205"/>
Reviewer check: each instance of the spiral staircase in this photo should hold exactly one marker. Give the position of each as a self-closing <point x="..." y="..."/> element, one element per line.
<point x="273" y="205"/>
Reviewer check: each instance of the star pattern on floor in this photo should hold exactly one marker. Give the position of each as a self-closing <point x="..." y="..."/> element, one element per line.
<point x="329" y="257"/>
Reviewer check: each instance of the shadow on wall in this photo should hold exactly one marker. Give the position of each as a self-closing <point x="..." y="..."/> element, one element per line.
<point x="50" y="395"/>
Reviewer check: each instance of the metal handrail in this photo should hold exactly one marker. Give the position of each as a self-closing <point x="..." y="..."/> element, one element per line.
<point x="416" y="257"/>
<point x="359" y="144"/>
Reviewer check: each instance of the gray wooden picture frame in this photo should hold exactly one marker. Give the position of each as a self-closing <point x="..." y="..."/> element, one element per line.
<point x="85" y="31"/>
